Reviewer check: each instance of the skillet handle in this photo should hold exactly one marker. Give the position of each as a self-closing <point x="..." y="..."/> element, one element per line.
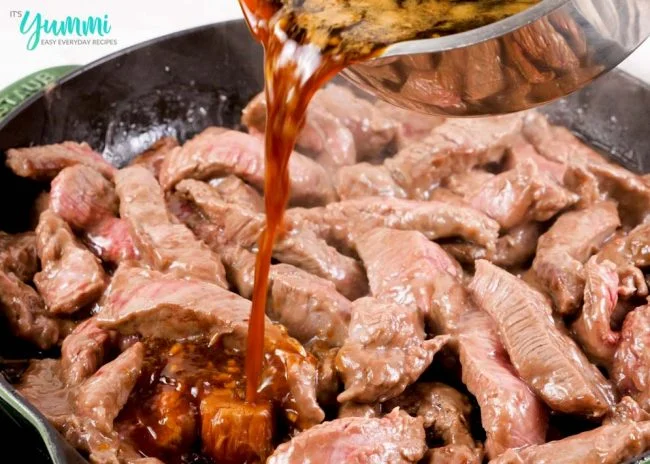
<point x="15" y="94"/>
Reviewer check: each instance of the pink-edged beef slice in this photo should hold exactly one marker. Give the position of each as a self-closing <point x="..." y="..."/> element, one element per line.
<point x="46" y="161"/>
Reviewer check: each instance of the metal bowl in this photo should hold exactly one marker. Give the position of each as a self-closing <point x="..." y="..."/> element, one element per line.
<point x="543" y="53"/>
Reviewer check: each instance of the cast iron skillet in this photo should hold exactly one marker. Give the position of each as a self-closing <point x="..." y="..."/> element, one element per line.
<point x="178" y="85"/>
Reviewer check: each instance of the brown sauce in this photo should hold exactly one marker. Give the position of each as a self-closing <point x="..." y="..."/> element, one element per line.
<point x="306" y="43"/>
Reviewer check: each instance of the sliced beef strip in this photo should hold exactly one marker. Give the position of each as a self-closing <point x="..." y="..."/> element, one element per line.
<point x="631" y="279"/>
<point x="309" y="307"/>
<point x="217" y="152"/>
<point x="511" y="413"/>
<point x="638" y="245"/>
<point x="152" y="304"/>
<point x="455" y="146"/>
<point x="101" y="397"/>
<point x="484" y="76"/>
<point x="631" y="368"/>
<point x="71" y="276"/>
<point x="18" y="254"/>
<point x="405" y="268"/>
<point x="82" y="196"/>
<point x="444" y="410"/>
<point x="371" y="128"/>
<point x="234" y="190"/>
<point x="466" y="184"/>
<point x="111" y="240"/>
<point x="627" y="410"/>
<point x="153" y="157"/>
<point x="46" y="161"/>
<point x="323" y="135"/>
<point x="546" y="358"/>
<point x="522" y="152"/>
<point x="396" y="438"/>
<point x="366" y="180"/>
<point x="163" y="244"/>
<point x="83" y="351"/>
<point x="87" y="201"/>
<point x="385" y="351"/>
<point x="42" y="385"/>
<point x="596" y="181"/>
<point x="343" y="222"/>
<point x="608" y="444"/>
<point x="25" y="312"/>
<point x="513" y="249"/>
<point x="237" y="225"/>
<point x="557" y="143"/>
<point x="592" y="329"/>
<point x="520" y="195"/>
<point x="568" y="244"/>
<point x="412" y="126"/>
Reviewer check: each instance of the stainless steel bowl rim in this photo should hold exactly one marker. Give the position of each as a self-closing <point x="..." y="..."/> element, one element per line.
<point x="474" y="36"/>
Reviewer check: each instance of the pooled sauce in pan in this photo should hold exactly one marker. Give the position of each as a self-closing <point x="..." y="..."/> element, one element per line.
<point x="306" y="43"/>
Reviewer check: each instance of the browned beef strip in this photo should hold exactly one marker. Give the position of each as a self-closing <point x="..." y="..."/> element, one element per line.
<point x="597" y="181"/>
<point x="240" y="226"/>
<point x="513" y="249"/>
<point x="444" y="410"/>
<point x="621" y="250"/>
<point x="308" y="306"/>
<point x="456" y="454"/>
<point x="371" y="128"/>
<point x="323" y="135"/>
<point x="546" y="358"/>
<point x="557" y="143"/>
<point x="520" y="195"/>
<point x="396" y="438"/>
<point x="83" y="351"/>
<point x="592" y="329"/>
<point x="343" y="222"/>
<point x="25" y="312"/>
<point x="631" y="368"/>
<point x="546" y="46"/>
<point x="18" y="254"/>
<point x="511" y="413"/>
<point x="232" y="189"/>
<point x="112" y="241"/>
<point x="366" y="180"/>
<point x="466" y="184"/>
<point x="627" y="410"/>
<point x="43" y="387"/>
<point x="153" y="157"/>
<point x="82" y="196"/>
<point x="412" y="126"/>
<point x="102" y="396"/>
<point x="71" y="276"/>
<point x="87" y="201"/>
<point x="163" y="244"/>
<point x="385" y="351"/>
<point x="351" y="409"/>
<point x="638" y="245"/>
<point x="608" y="444"/>
<point x="522" y="152"/>
<point x="568" y="244"/>
<point x="46" y="161"/>
<point x="406" y="268"/>
<point x="215" y="152"/>
<point x="455" y="146"/>
<point x="161" y="305"/>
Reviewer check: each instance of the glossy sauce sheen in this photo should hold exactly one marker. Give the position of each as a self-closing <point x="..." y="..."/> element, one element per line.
<point x="306" y="43"/>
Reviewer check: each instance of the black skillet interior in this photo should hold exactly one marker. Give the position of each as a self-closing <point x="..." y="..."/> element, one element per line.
<point x="182" y="83"/>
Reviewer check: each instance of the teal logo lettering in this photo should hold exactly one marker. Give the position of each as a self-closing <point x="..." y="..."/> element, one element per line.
<point x="37" y="27"/>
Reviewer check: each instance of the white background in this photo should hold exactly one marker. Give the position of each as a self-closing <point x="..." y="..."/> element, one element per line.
<point x="134" y="21"/>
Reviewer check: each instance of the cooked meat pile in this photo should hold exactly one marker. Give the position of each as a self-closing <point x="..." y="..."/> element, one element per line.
<point x="444" y="291"/>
